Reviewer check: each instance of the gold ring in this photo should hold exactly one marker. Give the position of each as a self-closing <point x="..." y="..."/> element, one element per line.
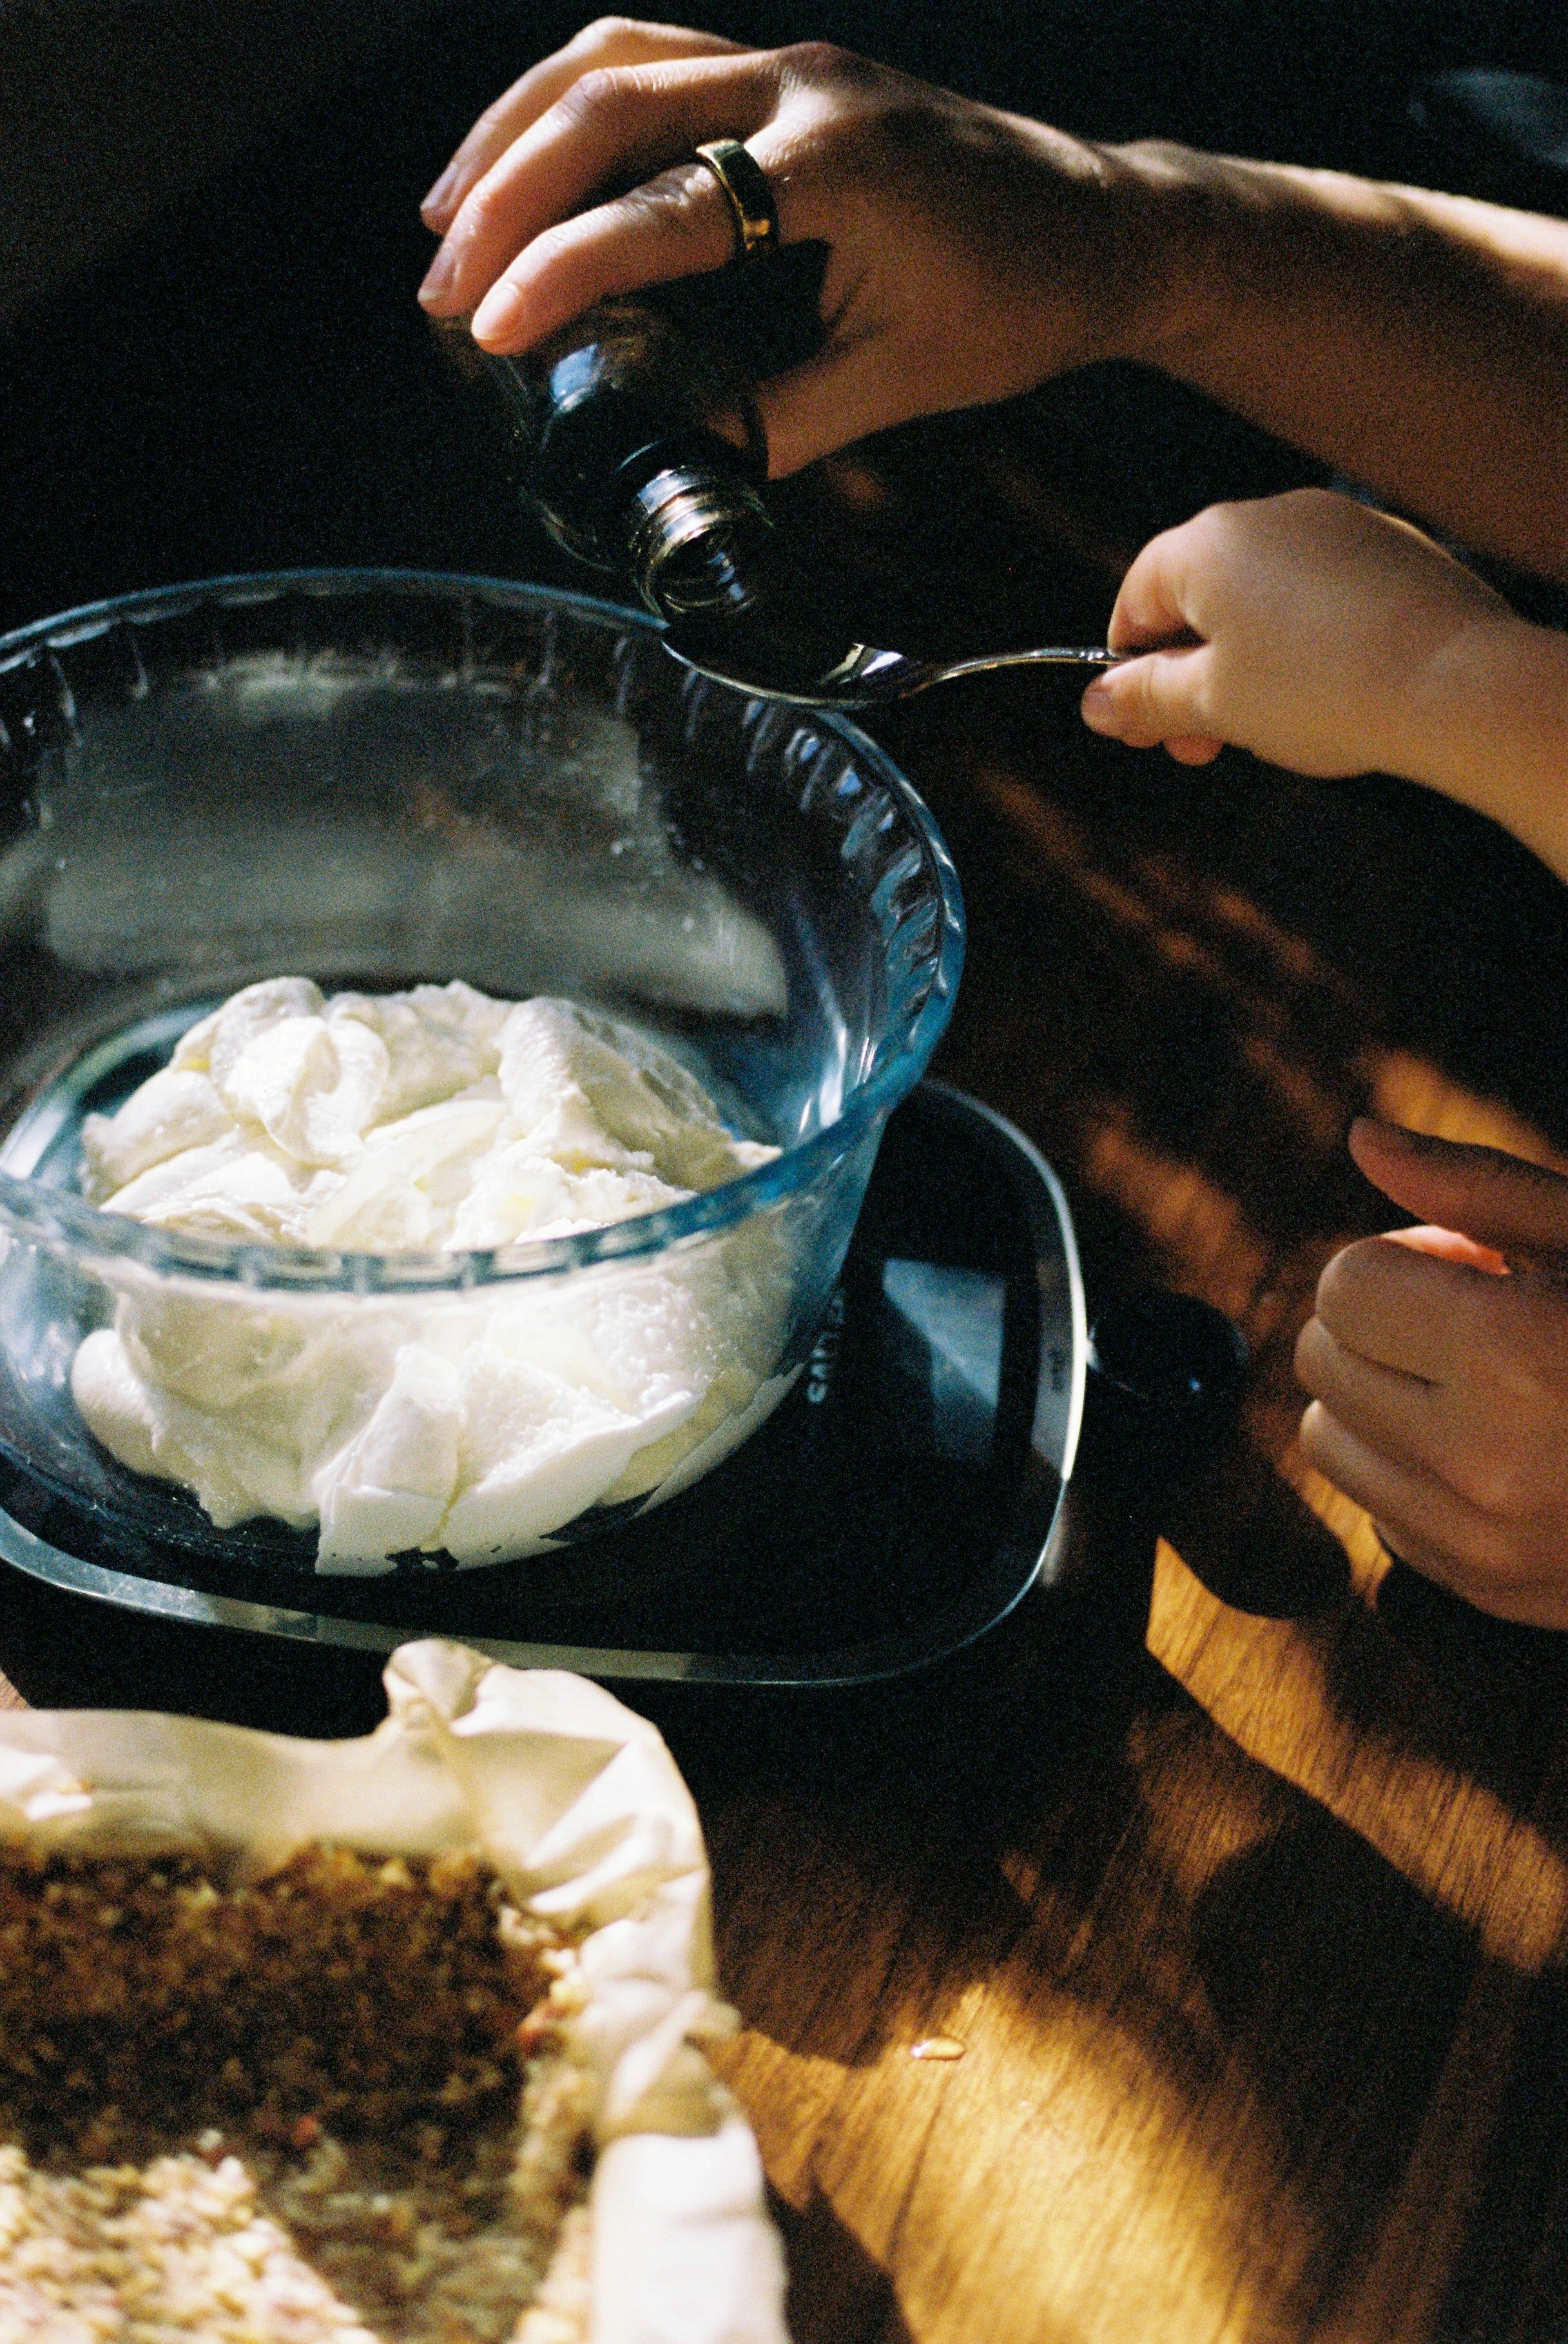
<point x="745" y="183"/>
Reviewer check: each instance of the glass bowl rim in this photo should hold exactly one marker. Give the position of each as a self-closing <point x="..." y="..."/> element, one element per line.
<point x="50" y="1215"/>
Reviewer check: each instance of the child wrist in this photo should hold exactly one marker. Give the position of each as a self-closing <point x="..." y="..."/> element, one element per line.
<point x="1489" y="723"/>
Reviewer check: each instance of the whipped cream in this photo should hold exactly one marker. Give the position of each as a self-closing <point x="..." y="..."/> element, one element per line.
<point x="474" y="1424"/>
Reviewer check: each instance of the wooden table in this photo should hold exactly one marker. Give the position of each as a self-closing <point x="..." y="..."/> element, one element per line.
<point x="1252" y="1973"/>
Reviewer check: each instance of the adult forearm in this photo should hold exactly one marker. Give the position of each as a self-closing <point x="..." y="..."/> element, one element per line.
<point x="1418" y="342"/>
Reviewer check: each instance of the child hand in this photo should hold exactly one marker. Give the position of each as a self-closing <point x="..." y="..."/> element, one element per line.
<point x="1438" y="1363"/>
<point x="1302" y="627"/>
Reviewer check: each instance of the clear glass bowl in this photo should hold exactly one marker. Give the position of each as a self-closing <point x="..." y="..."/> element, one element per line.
<point x="380" y="778"/>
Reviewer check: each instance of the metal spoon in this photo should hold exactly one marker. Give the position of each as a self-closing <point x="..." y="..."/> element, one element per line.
<point x="863" y="677"/>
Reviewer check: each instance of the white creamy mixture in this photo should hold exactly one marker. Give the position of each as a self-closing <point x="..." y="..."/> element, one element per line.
<point x="437" y="1120"/>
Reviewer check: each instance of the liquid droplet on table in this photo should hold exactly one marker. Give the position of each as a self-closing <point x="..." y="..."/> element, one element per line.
<point x="938" y="2046"/>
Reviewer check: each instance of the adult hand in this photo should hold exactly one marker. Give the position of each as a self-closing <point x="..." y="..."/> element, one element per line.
<point x="1304" y="626"/>
<point x="973" y="253"/>
<point x="1439" y="1364"/>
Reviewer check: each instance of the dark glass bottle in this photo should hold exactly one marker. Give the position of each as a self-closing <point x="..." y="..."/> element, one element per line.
<point x="643" y="453"/>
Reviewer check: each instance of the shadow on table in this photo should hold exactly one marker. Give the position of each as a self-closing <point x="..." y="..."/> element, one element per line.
<point x="883" y="1825"/>
<point x="837" y="2293"/>
<point x="1242" y="1530"/>
<point x="1505" y="1686"/>
<point x="1337" y="1989"/>
<point x="65" y="1651"/>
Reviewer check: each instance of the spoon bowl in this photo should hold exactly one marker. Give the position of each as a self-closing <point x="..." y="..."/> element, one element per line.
<point x="803" y="670"/>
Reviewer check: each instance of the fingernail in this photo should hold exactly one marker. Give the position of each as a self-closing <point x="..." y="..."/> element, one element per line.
<point x="498" y="313"/>
<point x="1098" y="709"/>
<point x="439" y="196"/>
<point x="439" y="275"/>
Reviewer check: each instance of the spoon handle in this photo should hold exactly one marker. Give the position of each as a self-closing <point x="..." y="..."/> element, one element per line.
<point x="1055" y="655"/>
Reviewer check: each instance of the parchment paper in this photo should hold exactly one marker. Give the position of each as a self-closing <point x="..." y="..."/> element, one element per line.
<point x="578" y="1806"/>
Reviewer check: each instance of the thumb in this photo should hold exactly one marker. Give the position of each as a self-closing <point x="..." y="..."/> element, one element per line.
<point x="1157" y="697"/>
<point x="1518" y="1209"/>
<point x="1447" y="1245"/>
<point x="818" y="407"/>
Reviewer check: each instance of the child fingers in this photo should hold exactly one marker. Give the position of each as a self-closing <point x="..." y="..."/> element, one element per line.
<point x="1398" y="1414"/>
<point x="1498" y="1199"/>
<point x="1536" y="1596"/>
<point x="1193" y="749"/>
<point x="1151" y="605"/>
<point x="1162" y="696"/>
<point x="1412" y="1311"/>
<point x="1489" y="1454"/>
<point x="1447" y="1245"/>
<point x="1418" y="1510"/>
<point x="609" y="41"/>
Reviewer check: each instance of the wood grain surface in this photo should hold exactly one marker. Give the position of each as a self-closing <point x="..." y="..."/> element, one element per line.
<point x="1251" y="1944"/>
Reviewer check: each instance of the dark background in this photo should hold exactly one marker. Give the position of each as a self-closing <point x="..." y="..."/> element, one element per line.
<point x="210" y="357"/>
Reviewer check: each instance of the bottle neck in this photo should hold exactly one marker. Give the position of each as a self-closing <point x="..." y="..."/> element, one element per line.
<point x="698" y="541"/>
